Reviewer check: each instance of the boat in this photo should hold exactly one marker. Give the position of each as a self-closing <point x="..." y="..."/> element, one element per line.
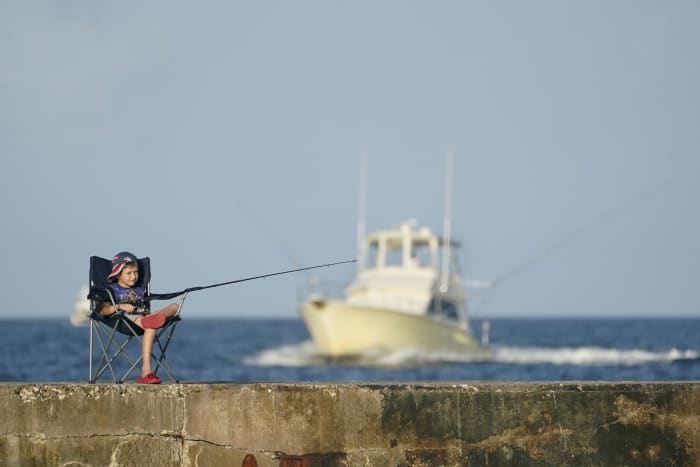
<point x="80" y="316"/>
<point x="408" y="294"/>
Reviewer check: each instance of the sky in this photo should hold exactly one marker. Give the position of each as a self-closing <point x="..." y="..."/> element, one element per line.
<point x="224" y="140"/>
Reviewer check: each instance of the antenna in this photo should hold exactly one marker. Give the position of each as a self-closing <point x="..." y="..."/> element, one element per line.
<point x="447" y="226"/>
<point x="361" y="213"/>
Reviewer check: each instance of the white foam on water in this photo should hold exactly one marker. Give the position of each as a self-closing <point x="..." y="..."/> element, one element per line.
<point x="589" y="356"/>
<point x="295" y="355"/>
<point x="305" y="354"/>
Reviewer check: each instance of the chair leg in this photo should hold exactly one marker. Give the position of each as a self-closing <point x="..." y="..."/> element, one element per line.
<point x="112" y="348"/>
<point x="90" y="380"/>
<point x="106" y="360"/>
<point x="106" y="338"/>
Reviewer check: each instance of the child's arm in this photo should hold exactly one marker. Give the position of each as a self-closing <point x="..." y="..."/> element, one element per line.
<point x="107" y="309"/>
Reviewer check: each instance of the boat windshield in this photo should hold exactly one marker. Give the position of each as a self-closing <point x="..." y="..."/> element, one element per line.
<point x="418" y="254"/>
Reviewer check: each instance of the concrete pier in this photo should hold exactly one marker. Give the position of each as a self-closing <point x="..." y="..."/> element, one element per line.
<point x="289" y="424"/>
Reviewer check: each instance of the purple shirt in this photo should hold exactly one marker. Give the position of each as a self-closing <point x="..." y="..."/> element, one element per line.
<point x="127" y="295"/>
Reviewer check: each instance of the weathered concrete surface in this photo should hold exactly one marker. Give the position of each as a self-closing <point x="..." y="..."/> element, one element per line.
<point x="422" y="424"/>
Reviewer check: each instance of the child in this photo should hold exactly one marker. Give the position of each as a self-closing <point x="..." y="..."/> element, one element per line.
<point x="129" y="298"/>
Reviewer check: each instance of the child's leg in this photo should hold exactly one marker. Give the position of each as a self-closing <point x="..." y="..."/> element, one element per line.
<point x="149" y="337"/>
<point x="169" y="310"/>
<point x="157" y="319"/>
<point x="147" y="340"/>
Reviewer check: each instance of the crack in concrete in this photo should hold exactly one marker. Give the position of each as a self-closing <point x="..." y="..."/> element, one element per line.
<point x="209" y="443"/>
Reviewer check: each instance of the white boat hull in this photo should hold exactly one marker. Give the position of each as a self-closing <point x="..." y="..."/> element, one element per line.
<point x="339" y="329"/>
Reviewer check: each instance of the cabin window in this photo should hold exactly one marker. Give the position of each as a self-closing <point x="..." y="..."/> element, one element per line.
<point x="394" y="257"/>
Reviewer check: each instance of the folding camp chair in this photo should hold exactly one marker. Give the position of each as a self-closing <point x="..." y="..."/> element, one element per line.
<point x="114" y="333"/>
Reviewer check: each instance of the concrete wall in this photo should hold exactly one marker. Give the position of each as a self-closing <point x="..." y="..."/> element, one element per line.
<point x="591" y="424"/>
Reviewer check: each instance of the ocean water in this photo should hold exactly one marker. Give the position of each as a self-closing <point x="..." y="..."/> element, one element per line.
<point x="280" y="350"/>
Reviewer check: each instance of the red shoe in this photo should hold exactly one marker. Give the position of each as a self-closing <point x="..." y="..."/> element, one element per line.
<point x="153" y="321"/>
<point x="150" y="378"/>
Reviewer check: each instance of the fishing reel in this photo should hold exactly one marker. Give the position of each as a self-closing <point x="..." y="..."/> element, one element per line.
<point x="140" y="308"/>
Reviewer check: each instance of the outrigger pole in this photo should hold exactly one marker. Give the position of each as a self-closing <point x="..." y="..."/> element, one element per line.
<point x="606" y="217"/>
<point x="168" y="296"/>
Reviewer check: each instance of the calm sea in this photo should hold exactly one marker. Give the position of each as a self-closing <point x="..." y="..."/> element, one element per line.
<point x="257" y="350"/>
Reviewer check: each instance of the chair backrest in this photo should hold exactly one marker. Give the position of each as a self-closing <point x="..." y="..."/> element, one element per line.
<point x="100" y="269"/>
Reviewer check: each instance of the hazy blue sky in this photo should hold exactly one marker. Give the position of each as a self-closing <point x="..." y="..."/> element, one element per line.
<point x="153" y="126"/>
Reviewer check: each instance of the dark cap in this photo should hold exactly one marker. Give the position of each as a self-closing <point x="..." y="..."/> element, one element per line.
<point x="118" y="262"/>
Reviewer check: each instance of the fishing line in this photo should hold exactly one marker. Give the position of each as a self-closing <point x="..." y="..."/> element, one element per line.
<point x="168" y="296"/>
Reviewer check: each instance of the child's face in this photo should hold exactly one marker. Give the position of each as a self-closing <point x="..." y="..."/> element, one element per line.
<point x="129" y="275"/>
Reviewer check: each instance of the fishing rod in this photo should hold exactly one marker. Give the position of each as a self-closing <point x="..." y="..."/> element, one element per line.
<point x="170" y="295"/>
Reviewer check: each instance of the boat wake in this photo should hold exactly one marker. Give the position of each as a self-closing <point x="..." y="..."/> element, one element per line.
<point x="305" y="354"/>
<point x="589" y="356"/>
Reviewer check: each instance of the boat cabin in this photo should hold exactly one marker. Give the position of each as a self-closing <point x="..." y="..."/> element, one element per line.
<point x="411" y="270"/>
